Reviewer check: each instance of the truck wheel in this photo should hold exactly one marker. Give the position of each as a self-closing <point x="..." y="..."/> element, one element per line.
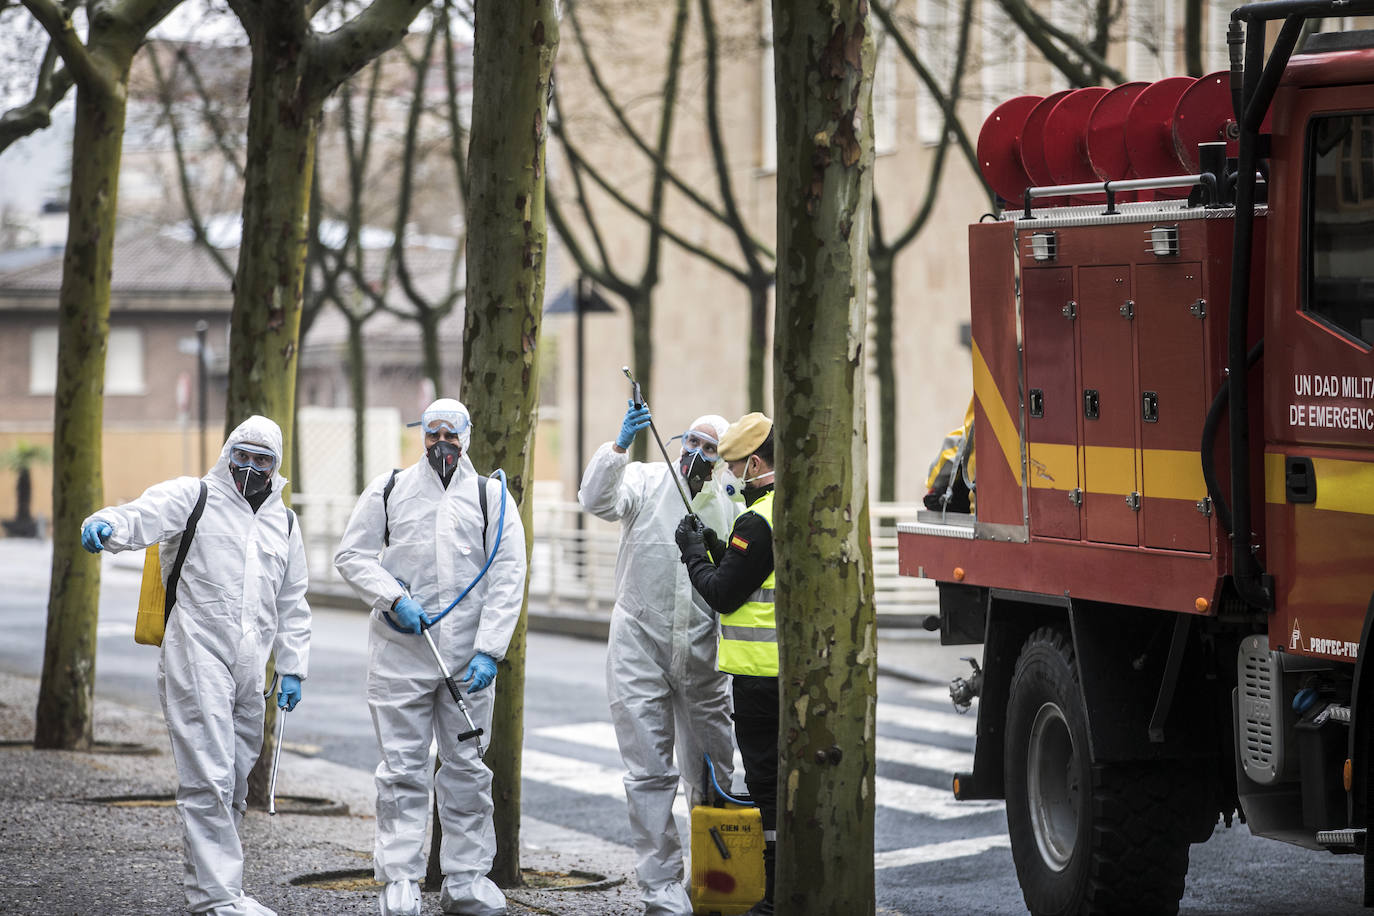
<point x="1084" y="839"/>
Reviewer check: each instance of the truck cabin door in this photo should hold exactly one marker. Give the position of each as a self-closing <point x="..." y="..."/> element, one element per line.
<point x="1319" y="370"/>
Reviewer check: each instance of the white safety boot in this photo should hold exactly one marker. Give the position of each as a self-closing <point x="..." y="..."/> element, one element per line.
<point x="400" y="898"/>
<point x="472" y="895"/>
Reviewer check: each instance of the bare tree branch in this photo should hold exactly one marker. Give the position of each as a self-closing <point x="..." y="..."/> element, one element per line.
<point x="1090" y="68"/>
<point x="749" y="246"/>
<point x="918" y="220"/>
<point x="57" y="21"/>
<point x="458" y="134"/>
<point x="937" y="92"/>
<point x="580" y="162"/>
<point x="218" y="129"/>
<point x="618" y="111"/>
<point x="343" y="52"/>
<point x="165" y="96"/>
<point x="49" y="88"/>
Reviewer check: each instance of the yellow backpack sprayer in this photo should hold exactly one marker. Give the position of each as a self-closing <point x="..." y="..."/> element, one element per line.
<point x="727" y="852"/>
<point x="157" y="595"/>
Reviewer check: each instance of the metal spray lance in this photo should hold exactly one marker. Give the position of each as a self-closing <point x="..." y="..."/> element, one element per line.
<point x="473" y="731"/>
<point x="276" y="750"/>
<point x="677" y="478"/>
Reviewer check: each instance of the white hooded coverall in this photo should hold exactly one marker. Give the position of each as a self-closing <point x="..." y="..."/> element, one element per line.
<point x="436" y="548"/>
<point x="661" y="674"/>
<point x="241" y="595"/>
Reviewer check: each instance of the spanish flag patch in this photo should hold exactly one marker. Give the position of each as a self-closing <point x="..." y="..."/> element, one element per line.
<point x="739" y="543"/>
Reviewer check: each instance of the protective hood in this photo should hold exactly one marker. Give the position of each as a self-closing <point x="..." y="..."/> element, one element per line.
<point x="715" y="421"/>
<point x="454" y="414"/>
<point x="256" y="430"/>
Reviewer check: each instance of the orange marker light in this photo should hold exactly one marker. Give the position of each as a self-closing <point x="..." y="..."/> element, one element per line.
<point x="1346" y="772"/>
<point x="958" y="574"/>
<point x="1202" y="604"/>
<point x="956" y="785"/>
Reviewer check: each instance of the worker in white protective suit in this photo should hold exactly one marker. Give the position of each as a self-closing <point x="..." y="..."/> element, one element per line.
<point x="240" y="596"/>
<point x="661" y="672"/>
<point x="417" y="538"/>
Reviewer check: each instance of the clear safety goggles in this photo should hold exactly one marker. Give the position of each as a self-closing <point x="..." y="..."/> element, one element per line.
<point x="254" y="456"/>
<point x="440" y="421"/>
<point x="704" y="444"/>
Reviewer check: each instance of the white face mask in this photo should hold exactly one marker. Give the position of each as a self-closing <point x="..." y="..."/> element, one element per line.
<point x="734" y="487"/>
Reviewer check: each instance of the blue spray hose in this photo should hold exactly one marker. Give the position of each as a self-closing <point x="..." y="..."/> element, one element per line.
<point x="711" y="771"/>
<point x="500" y="527"/>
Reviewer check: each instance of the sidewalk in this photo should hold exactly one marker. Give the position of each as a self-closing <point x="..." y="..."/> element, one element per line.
<point x="61" y="853"/>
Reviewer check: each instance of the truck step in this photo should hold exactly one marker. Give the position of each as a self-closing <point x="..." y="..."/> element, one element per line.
<point x="1336" y="713"/>
<point x="1347" y="838"/>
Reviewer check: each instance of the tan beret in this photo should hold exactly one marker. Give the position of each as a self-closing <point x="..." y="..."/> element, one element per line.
<point x="744" y="436"/>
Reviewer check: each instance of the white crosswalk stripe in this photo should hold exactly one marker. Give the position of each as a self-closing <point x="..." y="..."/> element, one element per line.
<point x="910" y="798"/>
<point x="945" y="723"/>
<point x="601" y="735"/>
<point x="915" y="798"/>
<point x="926" y="756"/>
<point x="938" y="852"/>
<point x="579" y="776"/>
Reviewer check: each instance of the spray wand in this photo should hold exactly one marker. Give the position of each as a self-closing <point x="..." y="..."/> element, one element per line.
<point x="677" y="478"/>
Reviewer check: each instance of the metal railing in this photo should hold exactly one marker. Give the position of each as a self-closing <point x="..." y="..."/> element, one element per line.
<point x="572" y="567"/>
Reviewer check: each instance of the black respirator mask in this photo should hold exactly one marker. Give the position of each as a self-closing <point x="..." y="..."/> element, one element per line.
<point x="250" y="481"/>
<point x="696" y="470"/>
<point x="443" y="457"/>
<point x="250" y="467"/>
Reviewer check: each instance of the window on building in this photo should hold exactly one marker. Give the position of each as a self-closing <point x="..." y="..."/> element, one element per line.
<point x="1340" y="223"/>
<point x="884" y="90"/>
<point x="1150" y="44"/>
<point x="1003" y="55"/>
<point x="43" y="361"/>
<point x="936" y="30"/>
<point x="1216" y="51"/>
<point x="123" y="361"/>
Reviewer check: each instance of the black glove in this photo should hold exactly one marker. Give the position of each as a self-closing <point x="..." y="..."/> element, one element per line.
<point x="714" y="545"/>
<point x="690" y="537"/>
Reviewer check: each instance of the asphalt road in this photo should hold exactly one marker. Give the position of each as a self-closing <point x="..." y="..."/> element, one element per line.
<point x="935" y="855"/>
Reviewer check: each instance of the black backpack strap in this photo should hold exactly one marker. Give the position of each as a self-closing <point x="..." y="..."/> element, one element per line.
<point x="482" y="501"/>
<point x="386" y="495"/>
<point x="175" y="576"/>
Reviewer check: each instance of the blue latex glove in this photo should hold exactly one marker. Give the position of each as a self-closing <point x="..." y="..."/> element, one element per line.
<point x="93" y="535"/>
<point x="636" y="418"/>
<point x="409" y="615"/>
<point x="481" y="670"/>
<point x="290" y="693"/>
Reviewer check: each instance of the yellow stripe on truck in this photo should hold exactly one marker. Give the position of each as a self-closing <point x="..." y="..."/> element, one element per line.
<point x="1342" y="486"/>
<point x="1174" y="474"/>
<point x="1004" y="429"/>
<point x="1169" y="473"/>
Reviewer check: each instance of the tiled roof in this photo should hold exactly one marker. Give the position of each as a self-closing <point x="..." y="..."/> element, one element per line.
<point x="146" y="261"/>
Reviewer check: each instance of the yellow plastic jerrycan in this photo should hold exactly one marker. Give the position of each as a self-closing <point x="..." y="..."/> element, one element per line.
<point x="727" y="854"/>
<point x="727" y="859"/>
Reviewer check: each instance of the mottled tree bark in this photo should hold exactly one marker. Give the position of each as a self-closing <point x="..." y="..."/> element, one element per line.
<point x="826" y="621"/>
<point x="100" y="70"/>
<point x="514" y="46"/>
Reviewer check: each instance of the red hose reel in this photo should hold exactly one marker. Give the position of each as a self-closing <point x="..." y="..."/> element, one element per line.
<point x="1081" y="136"/>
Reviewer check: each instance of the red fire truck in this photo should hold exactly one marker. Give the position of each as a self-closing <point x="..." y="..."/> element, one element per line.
<point x="1169" y="561"/>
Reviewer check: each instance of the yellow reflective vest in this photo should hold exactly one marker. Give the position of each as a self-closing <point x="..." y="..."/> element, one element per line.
<point x="749" y="636"/>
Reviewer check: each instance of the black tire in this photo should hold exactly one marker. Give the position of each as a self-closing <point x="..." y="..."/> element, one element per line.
<point x="1085" y="839"/>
